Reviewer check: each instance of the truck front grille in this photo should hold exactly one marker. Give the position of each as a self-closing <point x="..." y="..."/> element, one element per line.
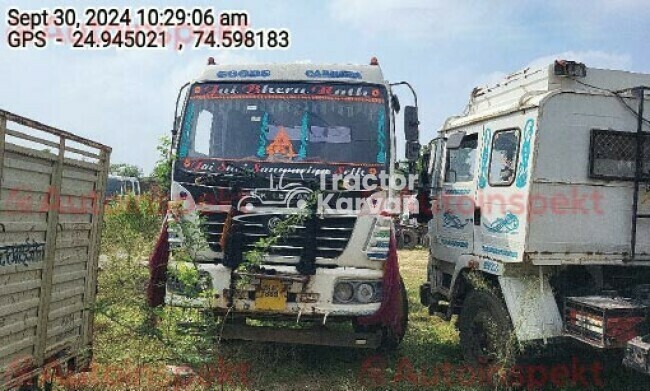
<point x="331" y="235"/>
<point x="212" y="224"/>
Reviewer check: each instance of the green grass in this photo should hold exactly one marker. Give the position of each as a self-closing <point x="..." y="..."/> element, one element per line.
<point x="429" y="344"/>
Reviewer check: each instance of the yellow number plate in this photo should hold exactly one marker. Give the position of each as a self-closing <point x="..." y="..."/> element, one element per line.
<point x="270" y="296"/>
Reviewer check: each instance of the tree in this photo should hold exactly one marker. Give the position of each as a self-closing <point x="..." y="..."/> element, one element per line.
<point x="162" y="171"/>
<point x="124" y="169"/>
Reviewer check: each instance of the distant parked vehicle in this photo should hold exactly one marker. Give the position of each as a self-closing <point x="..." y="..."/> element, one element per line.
<point x="121" y="186"/>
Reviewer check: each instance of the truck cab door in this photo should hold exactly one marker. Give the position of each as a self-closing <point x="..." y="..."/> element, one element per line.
<point x="434" y="173"/>
<point x="455" y="207"/>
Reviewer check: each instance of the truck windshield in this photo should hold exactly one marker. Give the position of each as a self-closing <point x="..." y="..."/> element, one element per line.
<point x="286" y="122"/>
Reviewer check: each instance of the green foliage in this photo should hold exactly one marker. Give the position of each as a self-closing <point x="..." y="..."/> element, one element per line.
<point x="283" y="229"/>
<point x="128" y="221"/>
<point x="162" y="171"/>
<point x="124" y="169"/>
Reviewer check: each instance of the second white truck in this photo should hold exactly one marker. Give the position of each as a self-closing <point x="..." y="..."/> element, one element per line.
<point x="541" y="213"/>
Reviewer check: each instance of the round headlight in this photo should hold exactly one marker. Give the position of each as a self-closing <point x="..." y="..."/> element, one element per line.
<point x="343" y="292"/>
<point x="365" y="293"/>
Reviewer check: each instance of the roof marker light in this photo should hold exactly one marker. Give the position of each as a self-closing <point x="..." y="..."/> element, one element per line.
<point x="569" y="68"/>
<point x="374" y="61"/>
<point x="211" y="61"/>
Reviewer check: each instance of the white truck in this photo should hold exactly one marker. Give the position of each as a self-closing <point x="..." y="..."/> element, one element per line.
<point x="541" y="201"/>
<point x="51" y="206"/>
<point x="253" y="145"/>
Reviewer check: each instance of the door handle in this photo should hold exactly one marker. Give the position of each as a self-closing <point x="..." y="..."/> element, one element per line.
<point x="477" y="216"/>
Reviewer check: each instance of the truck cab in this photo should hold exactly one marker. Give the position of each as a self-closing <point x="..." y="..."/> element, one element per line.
<point x="270" y="162"/>
<point x="540" y="229"/>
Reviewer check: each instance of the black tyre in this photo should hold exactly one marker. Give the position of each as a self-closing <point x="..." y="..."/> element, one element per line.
<point x="409" y="239"/>
<point x="486" y="333"/>
<point x="425" y="241"/>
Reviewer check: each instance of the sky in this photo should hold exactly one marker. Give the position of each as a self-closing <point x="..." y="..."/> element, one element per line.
<point x="126" y="99"/>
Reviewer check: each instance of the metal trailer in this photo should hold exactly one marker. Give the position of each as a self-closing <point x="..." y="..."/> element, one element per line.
<point x="51" y="205"/>
<point x="541" y="188"/>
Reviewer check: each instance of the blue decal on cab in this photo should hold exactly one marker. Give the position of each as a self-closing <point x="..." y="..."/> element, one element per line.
<point x="524" y="166"/>
<point x="499" y="251"/>
<point x="507" y="224"/>
<point x="244" y="73"/>
<point x="332" y="74"/>
<point x="458" y="191"/>
<point x="485" y="156"/>
<point x="490" y="267"/>
<point x="454" y="243"/>
<point x="450" y="220"/>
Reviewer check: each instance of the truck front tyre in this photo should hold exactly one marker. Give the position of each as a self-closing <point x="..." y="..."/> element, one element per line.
<point x="486" y="334"/>
<point x="407" y="240"/>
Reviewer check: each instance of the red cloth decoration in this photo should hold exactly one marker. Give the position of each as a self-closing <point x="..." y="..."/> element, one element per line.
<point x="390" y="312"/>
<point x="158" y="269"/>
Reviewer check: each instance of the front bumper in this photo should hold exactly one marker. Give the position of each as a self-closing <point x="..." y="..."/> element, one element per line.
<point x="307" y="296"/>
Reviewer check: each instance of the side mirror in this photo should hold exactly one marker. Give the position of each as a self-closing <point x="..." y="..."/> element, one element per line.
<point x="394" y="100"/>
<point x="177" y="123"/>
<point x="412" y="151"/>
<point x="411" y="123"/>
<point x="454" y="140"/>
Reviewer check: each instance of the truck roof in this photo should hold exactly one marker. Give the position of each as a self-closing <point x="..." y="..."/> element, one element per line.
<point x="293" y="72"/>
<point x="527" y="88"/>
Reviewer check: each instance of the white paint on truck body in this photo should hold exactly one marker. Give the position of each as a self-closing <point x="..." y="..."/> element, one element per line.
<point x="550" y="210"/>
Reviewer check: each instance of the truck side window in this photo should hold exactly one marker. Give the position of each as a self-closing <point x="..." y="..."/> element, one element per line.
<point x="461" y="161"/>
<point x="613" y="155"/>
<point x="201" y="145"/>
<point x="503" y="160"/>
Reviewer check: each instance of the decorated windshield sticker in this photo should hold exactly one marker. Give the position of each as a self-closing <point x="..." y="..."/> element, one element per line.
<point x="369" y="94"/>
<point x="304" y="135"/>
<point x="316" y="123"/>
<point x="264" y="129"/>
<point x="281" y="146"/>
<point x="381" y="138"/>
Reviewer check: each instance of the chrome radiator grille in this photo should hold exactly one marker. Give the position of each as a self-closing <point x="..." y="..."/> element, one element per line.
<point x="330" y="235"/>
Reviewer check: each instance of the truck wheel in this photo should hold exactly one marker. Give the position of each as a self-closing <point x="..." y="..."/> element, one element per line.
<point x="486" y="334"/>
<point x="409" y="239"/>
<point x="425" y="241"/>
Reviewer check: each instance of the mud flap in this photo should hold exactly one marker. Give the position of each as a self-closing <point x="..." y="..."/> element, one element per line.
<point x="532" y="307"/>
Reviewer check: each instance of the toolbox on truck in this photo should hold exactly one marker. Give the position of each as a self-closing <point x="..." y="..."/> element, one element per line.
<point x="51" y="206"/>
